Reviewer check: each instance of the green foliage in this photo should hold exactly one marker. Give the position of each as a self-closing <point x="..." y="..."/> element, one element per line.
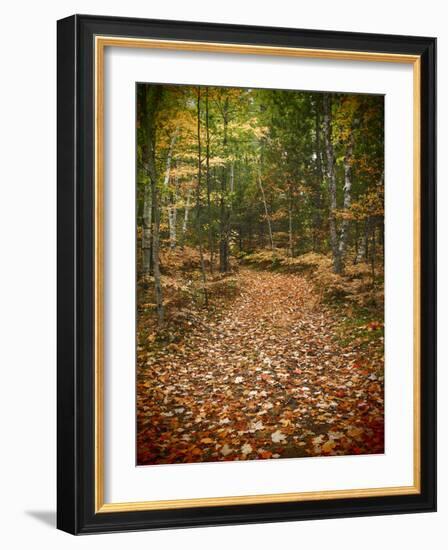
<point x="274" y="139"/>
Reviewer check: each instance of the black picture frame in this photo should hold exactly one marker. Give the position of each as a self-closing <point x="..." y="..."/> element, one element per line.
<point x="76" y="271"/>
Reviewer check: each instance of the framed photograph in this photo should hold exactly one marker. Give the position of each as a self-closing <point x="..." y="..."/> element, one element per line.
<point x="246" y="274"/>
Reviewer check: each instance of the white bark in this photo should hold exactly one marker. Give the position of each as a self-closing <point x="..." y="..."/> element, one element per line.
<point x="171" y="207"/>
<point x="146" y="236"/>
<point x="347" y="196"/>
<point x="331" y="175"/>
<point x="187" y="212"/>
<point x="172" y="215"/>
<point x="152" y="172"/>
<point x="169" y="157"/>
<point x="268" y="219"/>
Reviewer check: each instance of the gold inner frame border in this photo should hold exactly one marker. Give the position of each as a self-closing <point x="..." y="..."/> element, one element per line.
<point x="101" y="42"/>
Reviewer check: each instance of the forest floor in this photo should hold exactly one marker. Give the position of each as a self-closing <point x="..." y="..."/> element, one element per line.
<point x="273" y="372"/>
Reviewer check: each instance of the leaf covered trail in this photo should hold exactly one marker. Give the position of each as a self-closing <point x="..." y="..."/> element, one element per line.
<point x="265" y="379"/>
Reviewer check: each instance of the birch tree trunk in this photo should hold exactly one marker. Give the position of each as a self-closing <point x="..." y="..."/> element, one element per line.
<point x="347" y="196"/>
<point x="331" y="174"/>
<point x="268" y="219"/>
<point x="223" y="226"/>
<point x="166" y="181"/>
<point x="155" y="255"/>
<point x="211" y="245"/>
<point x="319" y="179"/>
<point x="229" y="210"/>
<point x="172" y="214"/>
<point x="186" y="213"/>
<point x="147" y="203"/>
<point x="153" y="101"/>
<point x="169" y="158"/>
<point x="224" y="214"/>
<point x="198" y="204"/>
<point x="146" y="233"/>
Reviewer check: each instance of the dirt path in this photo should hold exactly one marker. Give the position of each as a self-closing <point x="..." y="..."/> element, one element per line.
<point x="266" y="380"/>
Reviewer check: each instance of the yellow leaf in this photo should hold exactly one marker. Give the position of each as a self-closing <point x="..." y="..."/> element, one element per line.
<point x="328" y="446"/>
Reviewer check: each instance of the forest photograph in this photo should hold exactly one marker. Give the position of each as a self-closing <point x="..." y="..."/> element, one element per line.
<point x="259" y="274"/>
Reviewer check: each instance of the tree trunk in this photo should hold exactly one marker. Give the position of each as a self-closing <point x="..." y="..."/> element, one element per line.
<point x="186" y="213"/>
<point x="268" y="219"/>
<point x="355" y="258"/>
<point x="366" y="239"/>
<point x="172" y="214"/>
<point x="361" y="248"/>
<point x="261" y="235"/>
<point x="250" y="231"/>
<point x="147" y="204"/>
<point x="331" y="174"/>
<point x="373" y="252"/>
<point x="211" y="245"/>
<point x="198" y="204"/>
<point x="155" y="255"/>
<point x="166" y="181"/>
<point x="146" y="233"/>
<point x="318" y="185"/>
<point x="224" y="215"/>
<point x="169" y="158"/>
<point x="290" y="241"/>
<point x="154" y="98"/>
<point x="229" y="211"/>
<point x="240" y="238"/>
<point x="347" y="196"/>
<point x="223" y="236"/>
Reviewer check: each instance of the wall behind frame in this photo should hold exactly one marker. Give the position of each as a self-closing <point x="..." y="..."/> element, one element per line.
<point x="27" y="277"/>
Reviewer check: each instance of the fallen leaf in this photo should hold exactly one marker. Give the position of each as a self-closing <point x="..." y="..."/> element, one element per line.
<point x="246" y="449"/>
<point x="278" y="437"/>
<point x="226" y="450"/>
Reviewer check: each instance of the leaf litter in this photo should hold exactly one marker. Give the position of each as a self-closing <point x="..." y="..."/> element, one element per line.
<point x="263" y="378"/>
